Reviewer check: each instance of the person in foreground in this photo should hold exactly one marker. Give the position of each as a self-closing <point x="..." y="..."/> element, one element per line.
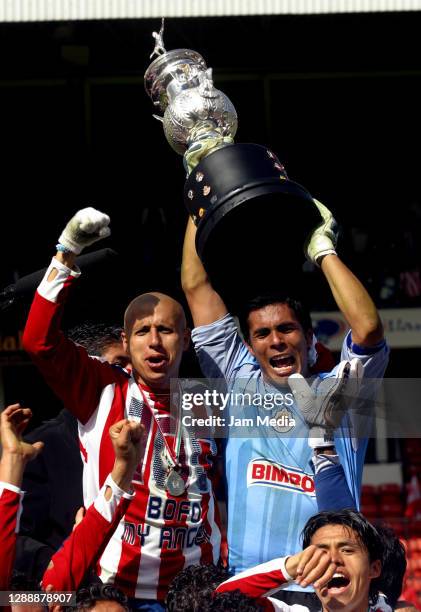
<point x="172" y="520"/>
<point x="342" y="558"/>
<point x="15" y="455"/>
<point x="271" y="491"/>
<point x="91" y="534"/>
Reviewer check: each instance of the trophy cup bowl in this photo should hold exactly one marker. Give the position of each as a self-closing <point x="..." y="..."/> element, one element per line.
<point x="252" y="220"/>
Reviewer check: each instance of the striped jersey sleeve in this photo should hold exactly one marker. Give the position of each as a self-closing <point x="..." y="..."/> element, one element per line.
<point x="10" y="507"/>
<point x="85" y="545"/>
<point x="259" y="581"/>
<point x="76" y="378"/>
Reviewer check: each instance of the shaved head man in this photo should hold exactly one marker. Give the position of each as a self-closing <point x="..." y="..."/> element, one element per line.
<point x="155" y="336"/>
<point x="172" y="519"/>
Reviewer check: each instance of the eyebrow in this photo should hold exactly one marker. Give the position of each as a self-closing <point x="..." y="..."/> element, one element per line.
<point x="340" y="543"/>
<point x="138" y="326"/>
<point x="282" y="324"/>
<point x="260" y="330"/>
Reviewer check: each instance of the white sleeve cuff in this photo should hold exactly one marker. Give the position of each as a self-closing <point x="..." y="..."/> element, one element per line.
<point x="10" y="487"/>
<point x="107" y="508"/>
<point x="55" y="263"/>
<point x="282" y="563"/>
<point x="50" y="289"/>
<point x="18" y="491"/>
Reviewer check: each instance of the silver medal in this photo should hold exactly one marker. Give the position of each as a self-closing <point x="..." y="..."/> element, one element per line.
<point x="175" y="484"/>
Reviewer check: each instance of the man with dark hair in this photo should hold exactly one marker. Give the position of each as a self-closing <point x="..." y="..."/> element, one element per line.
<point x="352" y="527"/>
<point x="101" y="597"/>
<point x="342" y="558"/>
<point x="193" y="587"/>
<point x="301" y="313"/>
<point x="270" y="484"/>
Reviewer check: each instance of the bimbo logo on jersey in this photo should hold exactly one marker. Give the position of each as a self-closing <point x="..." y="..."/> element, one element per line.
<point x="267" y="473"/>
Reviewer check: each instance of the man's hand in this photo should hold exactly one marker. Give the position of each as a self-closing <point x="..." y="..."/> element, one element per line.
<point x="324" y="404"/>
<point x="15" y="452"/>
<point x="323" y="239"/>
<point x="86" y="227"/>
<point x="126" y="437"/>
<point x="313" y="565"/>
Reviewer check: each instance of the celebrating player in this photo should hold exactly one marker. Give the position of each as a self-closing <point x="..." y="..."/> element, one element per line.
<point x="270" y="490"/>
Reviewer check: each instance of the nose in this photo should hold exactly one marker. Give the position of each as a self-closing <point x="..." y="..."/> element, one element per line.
<point x="336" y="556"/>
<point x="154" y="337"/>
<point x="277" y="339"/>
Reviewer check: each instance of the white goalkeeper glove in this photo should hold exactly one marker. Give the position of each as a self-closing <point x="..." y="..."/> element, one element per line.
<point x="324" y="403"/>
<point x="322" y="241"/>
<point x="86" y="227"/>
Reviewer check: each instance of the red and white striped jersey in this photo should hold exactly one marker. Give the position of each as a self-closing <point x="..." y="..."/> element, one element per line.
<point x="160" y="534"/>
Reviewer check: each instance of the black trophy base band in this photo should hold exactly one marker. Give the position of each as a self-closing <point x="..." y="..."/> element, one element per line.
<point x="252" y="222"/>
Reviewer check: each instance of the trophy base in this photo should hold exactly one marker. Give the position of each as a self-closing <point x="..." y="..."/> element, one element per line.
<point x="252" y="223"/>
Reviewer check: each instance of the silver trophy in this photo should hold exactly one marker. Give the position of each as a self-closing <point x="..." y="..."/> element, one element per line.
<point x="197" y="118"/>
<point x="229" y="186"/>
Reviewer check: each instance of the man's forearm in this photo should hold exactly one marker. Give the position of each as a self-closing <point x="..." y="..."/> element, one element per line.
<point x="193" y="274"/>
<point x="67" y="259"/>
<point x="353" y="301"/>
<point x="12" y="466"/>
<point x="122" y="475"/>
<point x="206" y="306"/>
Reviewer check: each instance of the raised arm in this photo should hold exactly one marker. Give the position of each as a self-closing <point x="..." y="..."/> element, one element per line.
<point x="351" y="297"/>
<point x="353" y="301"/>
<point x="91" y="535"/>
<point x="59" y="359"/>
<point x="310" y="566"/>
<point x="15" y="455"/>
<point x="206" y="306"/>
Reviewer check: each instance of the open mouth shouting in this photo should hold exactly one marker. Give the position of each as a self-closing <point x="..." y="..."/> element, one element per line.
<point x="338" y="584"/>
<point x="284" y="365"/>
<point x="157" y="362"/>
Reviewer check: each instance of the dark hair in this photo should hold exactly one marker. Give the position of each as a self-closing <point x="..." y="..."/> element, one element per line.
<point x="95" y="337"/>
<point x="300" y="311"/>
<point x="192" y="589"/>
<point x="393" y="565"/>
<point x="365" y="531"/>
<point x="88" y="596"/>
<point x="234" y="600"/>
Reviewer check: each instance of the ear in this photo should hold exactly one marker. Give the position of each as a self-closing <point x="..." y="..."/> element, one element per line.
<point x="125" y="341"/>
<point x="186" y="339"/>
<point x="249" y="348"/>
<point x="375" y="569"/>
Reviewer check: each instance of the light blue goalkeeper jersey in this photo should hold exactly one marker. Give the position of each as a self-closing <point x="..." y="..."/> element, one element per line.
<point x="270" y="481"/>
